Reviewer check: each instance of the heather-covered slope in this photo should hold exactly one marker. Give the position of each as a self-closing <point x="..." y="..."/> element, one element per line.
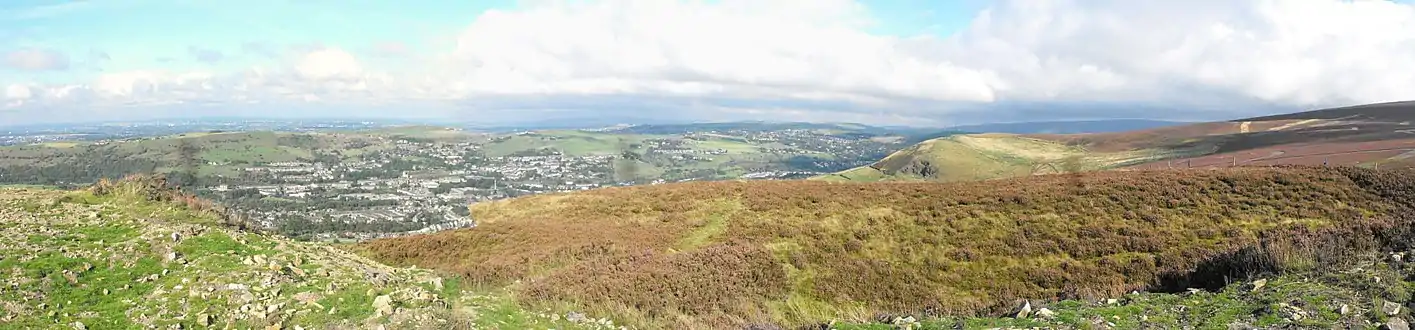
<point x="716" y="254"/>
<point x="1368" y="135"/>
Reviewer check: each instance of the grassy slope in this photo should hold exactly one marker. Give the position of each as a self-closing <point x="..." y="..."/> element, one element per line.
<point x="986" y="156"/>
<point x="797" y="252"/>
<point x="102" y="260"/>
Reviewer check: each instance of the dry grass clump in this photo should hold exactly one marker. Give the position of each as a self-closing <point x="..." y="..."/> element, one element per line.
<point x="149" y="187"/>
<point x="718" y="284"/>
<point x="918" y="248"/>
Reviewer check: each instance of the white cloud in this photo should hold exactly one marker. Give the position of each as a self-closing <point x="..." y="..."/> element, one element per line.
<point x="763" y="49"/>
<point x="328" y="63"/>
<point x="17" y="92"/>
<point x="36" y="59"/>
<point x="808" y="54"/>
<point x="1295" y="52"/>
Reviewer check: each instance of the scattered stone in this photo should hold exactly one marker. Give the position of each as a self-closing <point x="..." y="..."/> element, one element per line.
<point x="1345" y="309"/>
<point x="203" y="320"/>
<point x="1259" y="284"/>
<point x="1026" y="310"/>
<point x="1045" y="313"/>
<point x="383" y="305"/>
<point x="1390" y="308"/>
<point x="1396" y="323"/>
<point x="80" y="326"/>
<point x="1112" y="301"/>
<point x="575" y="317"/>
<point x="1238" y="325"/>
<point x="176" y="237"/>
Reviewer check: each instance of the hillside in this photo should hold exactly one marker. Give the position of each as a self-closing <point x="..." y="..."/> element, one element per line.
<point x="966" y="157"/>
<point x="1067" y="127"/>
<point x="720" y="254"/>
<point x="134" y="254"/>
<point x="1368" y="135"/>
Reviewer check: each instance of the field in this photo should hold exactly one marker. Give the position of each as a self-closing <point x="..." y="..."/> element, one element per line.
<point x="718" y="254"/>
<point x="570" y="142"/>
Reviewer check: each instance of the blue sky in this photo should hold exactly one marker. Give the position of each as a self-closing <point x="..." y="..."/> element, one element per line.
<point x="932" y="62"/>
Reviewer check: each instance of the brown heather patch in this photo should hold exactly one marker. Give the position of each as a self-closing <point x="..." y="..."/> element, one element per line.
<point x="808" y="251"/>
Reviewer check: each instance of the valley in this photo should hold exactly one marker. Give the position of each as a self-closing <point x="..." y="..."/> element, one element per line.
<point x="358" y="184"/>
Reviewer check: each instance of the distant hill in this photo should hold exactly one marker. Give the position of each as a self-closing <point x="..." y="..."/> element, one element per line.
<point x="762" y="254"/>
<point x="1067" y="127"/>
<point x="750" y="126"/>
<point x="1368" y="135"/>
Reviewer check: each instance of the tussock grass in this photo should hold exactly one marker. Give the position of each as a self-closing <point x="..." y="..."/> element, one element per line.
<point x="800" y="252"/>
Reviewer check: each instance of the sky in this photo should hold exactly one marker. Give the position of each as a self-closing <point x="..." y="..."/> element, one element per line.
<point x="885" y="62"/>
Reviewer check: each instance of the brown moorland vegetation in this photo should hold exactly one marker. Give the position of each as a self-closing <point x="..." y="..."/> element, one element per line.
<point x="1360" y="135"/>
<point x="1386" y="153"/>
<point x="717" y="254"/>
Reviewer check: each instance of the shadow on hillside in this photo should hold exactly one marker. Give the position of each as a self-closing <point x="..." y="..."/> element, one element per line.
<point x="1305" y="249"/>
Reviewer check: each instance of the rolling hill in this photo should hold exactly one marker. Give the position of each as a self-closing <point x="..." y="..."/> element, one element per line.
<point x="798" y="253"/>
<point x="1067" y="127"/>
<point x="1368" y="135"/>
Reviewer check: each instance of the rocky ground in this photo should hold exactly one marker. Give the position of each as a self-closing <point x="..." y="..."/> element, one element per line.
<point x="1377" y="295"/>
<point x="74" y="260"/>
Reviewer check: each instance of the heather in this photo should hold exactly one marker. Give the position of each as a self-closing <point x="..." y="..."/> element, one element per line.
<point x="715" y="254"/>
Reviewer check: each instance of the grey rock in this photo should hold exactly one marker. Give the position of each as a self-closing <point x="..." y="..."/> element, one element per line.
<point x="576" y="317"/>
<point x="1045" y="313"/>
<point x="1396" y="323"/>
<point x="1026" y="310"/>
<point x="1390" y="308"/>
<point x="383" y="305"/>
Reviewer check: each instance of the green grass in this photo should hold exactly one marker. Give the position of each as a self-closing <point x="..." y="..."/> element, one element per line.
<point x="971" y="157"/>
<point x="731" y="146"/>
<point x="713" y="227"/>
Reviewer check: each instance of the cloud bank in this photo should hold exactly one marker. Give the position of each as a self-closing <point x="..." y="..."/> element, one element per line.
<point x="818" y="60"/>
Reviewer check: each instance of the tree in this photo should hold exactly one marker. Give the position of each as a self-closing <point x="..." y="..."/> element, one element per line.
<point x="626" y="165"/>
